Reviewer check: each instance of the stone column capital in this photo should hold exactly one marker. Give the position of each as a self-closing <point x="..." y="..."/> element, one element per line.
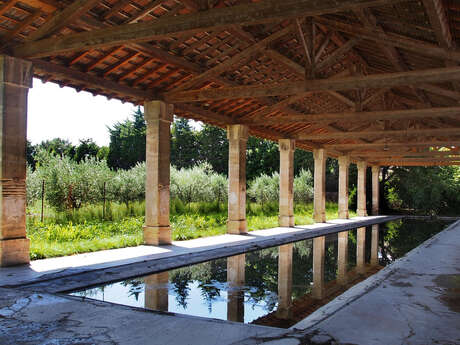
<point x="15" y="72"/>
<point x="344" y="160"/>
<point x="237" y="132"/>
<point x="361" y="164"/>
<point x="376" y="169"/>
<point x="286" y="144"/>
<point x="158" y="110"/>
<point x="319" y="154"/>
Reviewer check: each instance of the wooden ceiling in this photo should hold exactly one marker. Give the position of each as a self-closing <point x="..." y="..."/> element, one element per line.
<point x="378" y="80"/>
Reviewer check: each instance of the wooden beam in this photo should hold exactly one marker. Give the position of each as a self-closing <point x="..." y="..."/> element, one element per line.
<point x="439" y="22"/>
<point x="62" y="19"/>
<point x="382" y="80"/>
<point x="390" y="154"/>
<point x="96" y="82"/>
<point x="450" y="131"/>
<point x="387" y="145"/>
<point x="413" y="164"/>
<point x="364" y="116"/>
<point x="337" y="54"/>
<point x="394" y="40"/>
<point x="245" y="14"/>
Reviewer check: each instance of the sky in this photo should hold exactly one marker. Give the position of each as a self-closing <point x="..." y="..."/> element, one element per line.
<point x="65" y="113"/>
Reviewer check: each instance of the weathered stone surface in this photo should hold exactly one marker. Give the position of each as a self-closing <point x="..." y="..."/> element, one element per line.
<point x="344" y="165"/>
<point x="15" y="80"/>
<point x="237" y="137"/>
<point x="158" y="116"/>
<point x="287" y="149"/>
<point x="375" y="189"/>
<point x="319" y="198"/>
<point x="362" y="167"/>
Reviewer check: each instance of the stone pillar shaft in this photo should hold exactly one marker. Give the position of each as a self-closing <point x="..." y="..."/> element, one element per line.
<point x="375" y="245"/>
<point x="237" y="137"/>
<point x="362" y="211"/>
<point x="342" y="257"/>
<point x="236" y="266"/>
<point x="344" y="164"/>
<point x="319" y="251"/>
<point x="15" y="81"/>
<point x="375" y="189"/>
<point x="319" y="198"/>
<point x="158" y="116"/>
<point x="287" y="148"/>
<point x="156" y="291"/>
<point x="361" y="250"/>
<point x="285" y="280"/>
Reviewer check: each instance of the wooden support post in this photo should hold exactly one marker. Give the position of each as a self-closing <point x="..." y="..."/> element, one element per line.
<point x="375" y="245"/>
<point x="342" y="258"/>
<point x="344" y="164"/>
<point x="156" y="291"/>
<point x="319" y="251"/>
<point x="375" y="189"/>
<point x="319" y="199"/>
<point x="236" y="280"/>
<point x="360" y="250"/>
<point x="361" y="210"/>
<point x="158" y="116"/>
<point x="285" y="281"/>
<point x="237" y="136"/>
<point x="15" y="81"/>
<point x="286" y="216"/>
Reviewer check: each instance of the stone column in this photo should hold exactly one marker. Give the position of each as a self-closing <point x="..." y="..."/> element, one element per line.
<point x="362" y="167"/>
<point x="375" y="189"/>
<point x="344" y="164"/>
<point x="156" y="291"/>
<point x="361" y="250"/>
<point x="158" y="116"/>
<point x="285" y="280"/>
<point x="287" y="148"/>
<point x="375" y="245"/>
<point x="342" y="258"/>
<point x="235" y="280"/>
<point x="15" y="81"/>
<point x="319" y="251"/>
<point x="319" y="198"/>
<point x="237" y="137"/>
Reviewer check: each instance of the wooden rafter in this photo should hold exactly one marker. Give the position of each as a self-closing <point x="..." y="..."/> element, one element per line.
<point x="452" y="131"/>
<point x="383" y="80"/>
<point x="246" y="14"/>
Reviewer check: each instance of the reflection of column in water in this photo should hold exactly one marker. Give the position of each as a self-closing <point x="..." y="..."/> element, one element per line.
<point x="236" y="280"/>
<point x="342" y="257"/>
<point x="360" y="250"/>
<point x="375" y="245"/>
<point x="319" y="248"/>
<point x="156" y="291"/>
<point x="285" y="280"/>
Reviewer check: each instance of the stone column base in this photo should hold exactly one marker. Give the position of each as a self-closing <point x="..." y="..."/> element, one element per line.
<point x="286" y="221"/>
<point x="14" y="252"/>
<point x="237" y="227"/>
<point x="344" y="215"/>
<point x="157" y="235"/>
<point x="319" y="218"/>
<point x="361" y="213"/>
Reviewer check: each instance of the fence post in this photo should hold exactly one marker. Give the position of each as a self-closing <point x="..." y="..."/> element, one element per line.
<point x="103" y="202"/>
<point x="43" y="201"/>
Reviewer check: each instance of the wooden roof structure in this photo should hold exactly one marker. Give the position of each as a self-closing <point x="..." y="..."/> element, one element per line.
<point x="378" y="80"/>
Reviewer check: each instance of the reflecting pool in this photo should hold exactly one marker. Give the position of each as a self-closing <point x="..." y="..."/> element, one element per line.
<point x="276" y="286"/>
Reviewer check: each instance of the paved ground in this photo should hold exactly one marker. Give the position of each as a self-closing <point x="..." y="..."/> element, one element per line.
<point x="413" y="301"/>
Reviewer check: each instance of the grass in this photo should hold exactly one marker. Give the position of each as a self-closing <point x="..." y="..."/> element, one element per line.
<point x="66" y="233"/>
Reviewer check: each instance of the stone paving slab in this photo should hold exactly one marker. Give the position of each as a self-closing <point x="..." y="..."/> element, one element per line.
<point x="48" y="319"/>
<point x="179" y="253"/>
